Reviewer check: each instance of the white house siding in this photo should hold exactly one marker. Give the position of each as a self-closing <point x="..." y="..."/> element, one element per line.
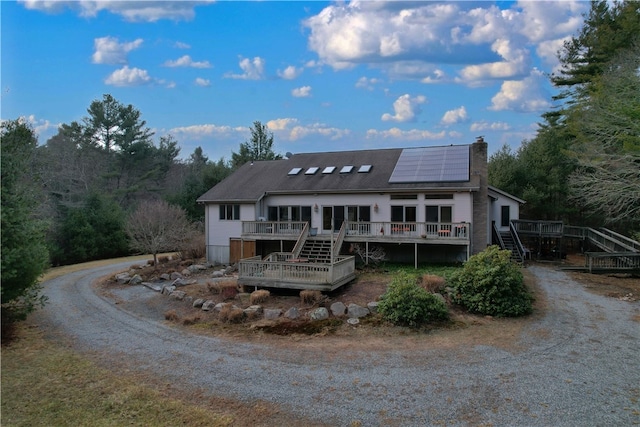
<point x="495" y="213"/>
<point x="220" y="231"/>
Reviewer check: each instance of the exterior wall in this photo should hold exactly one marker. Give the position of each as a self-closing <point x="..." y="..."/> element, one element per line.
<point x="496" y="211"/>
<point x="218" y="232"/>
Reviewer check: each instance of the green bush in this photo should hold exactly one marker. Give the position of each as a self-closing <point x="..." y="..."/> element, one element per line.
<point x="406" y="303"/>
<point x="489" y="283"/>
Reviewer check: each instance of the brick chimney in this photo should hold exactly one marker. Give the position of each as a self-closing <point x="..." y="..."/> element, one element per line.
<point x="479" y="168"/>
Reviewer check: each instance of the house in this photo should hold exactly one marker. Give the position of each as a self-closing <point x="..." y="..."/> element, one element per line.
<point x="427" y="204"/>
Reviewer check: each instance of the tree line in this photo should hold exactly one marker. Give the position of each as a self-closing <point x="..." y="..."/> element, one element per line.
<point x="583" y="164"/>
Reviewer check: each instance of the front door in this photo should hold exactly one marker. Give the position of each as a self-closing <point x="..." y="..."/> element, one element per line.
<point x="333" y="214"/>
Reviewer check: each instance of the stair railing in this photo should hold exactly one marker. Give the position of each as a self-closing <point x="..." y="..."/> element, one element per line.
<point x="632" y="245"/>
<point x="498" y="237"/>
<point x="337" y="244"/>
<point x="516" y="239"/>
<point x="301" y="240"/>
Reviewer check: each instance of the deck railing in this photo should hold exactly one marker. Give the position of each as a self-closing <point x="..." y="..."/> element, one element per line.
<point x="621" y="261"/>
<point x="431" y="230"/>
<point x="538" y="228"/>
<point x="275" y="228"/>
<point x="279" y="268"/>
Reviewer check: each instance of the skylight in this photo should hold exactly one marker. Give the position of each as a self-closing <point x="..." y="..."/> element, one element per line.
<point x="329" y="169"/>
<point x="346" y="169"/>
<point x="311" y="171"/>
<point x="364" y="169"/>
<point x="294" y="171"/>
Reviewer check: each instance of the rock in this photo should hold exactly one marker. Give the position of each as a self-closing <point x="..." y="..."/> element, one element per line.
<point x="135" y="280"/>
<point x="338" y="309"/>
<point x="198" y="303"/>
<point x="167" y="289"/>
<point x="123" y="278"/>
<point x="252" y="311"/>
<point x="183" y="282"/>
<point x="272" y="313"/>
<point x="293" y="313"/>
<point x="373" y="306"/>
<point x="196" y="267"/>
<point x="219" y="306"/>
<point x="152" y="286"/>
<point x="165" y="276"/>
<point x="355" y="310"/>
<point x="178" y="295"/>
<point x="175" y="275"/>
<point x="188" y="299"/>
<point x="320" y="313"/>
<point x="208" y="305"/>
<point x="353" y="321"/>
<point x="186" y="272"/>
<point x="217" y="274"/>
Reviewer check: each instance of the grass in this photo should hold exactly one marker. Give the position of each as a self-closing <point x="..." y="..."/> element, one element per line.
<point x="46" y="384"/>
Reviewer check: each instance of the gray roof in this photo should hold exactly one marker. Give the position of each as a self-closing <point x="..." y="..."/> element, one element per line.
<point x="254" y="180"/>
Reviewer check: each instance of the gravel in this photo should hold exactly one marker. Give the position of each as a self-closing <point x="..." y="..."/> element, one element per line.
<point x="580" y="364"/>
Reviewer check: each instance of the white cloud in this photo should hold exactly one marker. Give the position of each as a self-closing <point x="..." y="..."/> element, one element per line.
<point x="202" y="82"/>
<point x="289" y="129"/>
<point x="367" y="83"/>
<point x="405" y="135"/>
<point x="252" y="69"/>
<point x="483" y="125"/>
<point x="302" y="92"/>
<point x="134" y="11"/>
<point x="454" y="116"/>
<point x="197" y="132"/>
<point x="42" y="128"/>
<point x="186" y="61"/>
<point x="290" y="72"/>
<point x="525" y="95"/>
<point x="182" y="45"/>
<point x="108" y="50"/>
<point x="405" y="108"/>
<point x="479" y="41"/>
<point x="126" y="76"/>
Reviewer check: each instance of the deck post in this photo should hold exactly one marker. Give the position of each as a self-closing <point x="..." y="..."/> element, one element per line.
<point x="415" y="257"/>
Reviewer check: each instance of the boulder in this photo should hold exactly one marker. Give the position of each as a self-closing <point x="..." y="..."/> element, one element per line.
<point x="338" y="309"/>
<point x="175" y="275"/>
<point x="219" y="306"/>
<point x="198" y="303"/>
<point x="123" y="278"/>
<point x="373" y="306"/>
<point x="293" y="313"/>
<point x="217" y="274"/>
<point x="178" y="295"/>
<point x="272" y="313"/>
<point x="208" y="305"/>
<point x="356" y="311"/>
<point x="186" y="272"/>
<point x="320" y="313"/>
<point x="167" y="289"/>
<point x="196" y="267"/>
<point x="135" y="280"/>
<point x="252" y="310"/>
<point x="165" y="276"/>
<point x="152" y="286"/>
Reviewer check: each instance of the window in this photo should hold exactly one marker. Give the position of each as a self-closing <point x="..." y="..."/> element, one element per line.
<point x="358" y="213"/>
<point x="364" y="169"/>
<point x="346" y="169"/>
<point x="438" y="213"/>
<point x="229" y="212"/>
<point x="289" y="213"/>
<point x="403" y="214"/>
<point x="438" y="196"/>
<point x="404" y="197"/>
<point x="294" y="171"/>
<point x="311" y="171"/>
<point x="328" y="170"/>
<point x="505" y="216"/>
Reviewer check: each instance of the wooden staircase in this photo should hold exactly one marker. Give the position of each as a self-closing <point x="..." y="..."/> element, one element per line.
<point x="317" y="249"/>
<point x="510" y="245"/>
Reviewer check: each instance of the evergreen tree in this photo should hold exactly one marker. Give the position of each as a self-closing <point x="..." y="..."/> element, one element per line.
<point x="259" y="147"/>
<point x="24" y="255"/>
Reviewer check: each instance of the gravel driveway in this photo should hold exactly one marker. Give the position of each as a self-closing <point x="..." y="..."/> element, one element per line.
<point x="581" y="366"/>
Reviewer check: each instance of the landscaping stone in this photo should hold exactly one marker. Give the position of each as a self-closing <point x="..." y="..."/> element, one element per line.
<point x="175" y="275"/>
<point x="219" y="306"/>
<point x="338" y="309"/>
<point x="198" y="303"/>
<point x="272" y="313"/>
<point x="135" y="280"/>
<point x="353" y="321"/>
<point x="373" y="306"/>
<point x="123" y="278"/>
<point x="293" y="313"/>
<point x="253" y="310"/>
<point x="152" y="286"/>
<point x="208" y="305"/>
<point x="319" y="314"/>
<point x="178" y="295"/>
<point x="165" y="276"/>
<point x="217" y="274"/>
<point x="355" y="310"/>
<point x="167" y="289"/>
<point x="186" y="272"/>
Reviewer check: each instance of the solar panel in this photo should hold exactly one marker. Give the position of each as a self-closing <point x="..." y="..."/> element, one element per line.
<point x="432" y="164"/>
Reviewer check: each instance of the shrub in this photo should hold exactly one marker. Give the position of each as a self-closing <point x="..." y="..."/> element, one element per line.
<point x="171" y="315"/>
<point x="191" y="320"/>
<point x="259" y="296"/>
<point x="406" y="303"/>
<point x="432" y="283"/>
<point x="310" y="297"/>
<point x="489" y="283"/>
<point x="226" y="289"/>
<point x="231" y="314"/>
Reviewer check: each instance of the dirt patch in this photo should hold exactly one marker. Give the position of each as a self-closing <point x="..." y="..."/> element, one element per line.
<point x="332" y="336"/>
<point x="621" y="286"/>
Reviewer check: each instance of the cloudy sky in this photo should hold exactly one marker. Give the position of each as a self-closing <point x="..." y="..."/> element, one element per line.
<point x="324" y="76"/>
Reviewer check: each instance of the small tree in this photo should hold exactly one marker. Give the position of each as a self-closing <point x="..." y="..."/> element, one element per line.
<point x="260" y="147"/>
<point x="157" y="226"/>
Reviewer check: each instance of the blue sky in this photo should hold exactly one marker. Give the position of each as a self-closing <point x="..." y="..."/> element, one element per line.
<point x="324" y="76"/>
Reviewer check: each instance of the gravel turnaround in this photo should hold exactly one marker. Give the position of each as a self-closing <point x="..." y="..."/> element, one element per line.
<point x="580" y="365"/>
